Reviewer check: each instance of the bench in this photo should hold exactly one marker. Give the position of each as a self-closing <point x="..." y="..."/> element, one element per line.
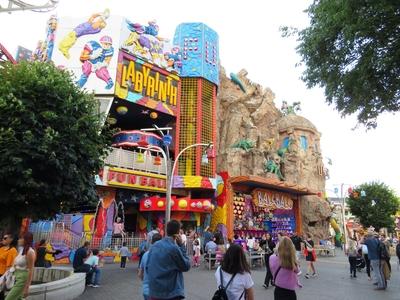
<point x="256" y="256"/>
<point x="325" y="250"/>
<point x="209" y="260"/>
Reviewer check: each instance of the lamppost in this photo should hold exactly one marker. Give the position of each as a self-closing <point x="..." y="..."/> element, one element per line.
<point x="343" y="213"/>
<point x="171" y="181"/>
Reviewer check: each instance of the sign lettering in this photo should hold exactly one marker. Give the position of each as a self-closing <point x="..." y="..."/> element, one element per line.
<point x="272" y="200"/>
<point x="116" y="178"/>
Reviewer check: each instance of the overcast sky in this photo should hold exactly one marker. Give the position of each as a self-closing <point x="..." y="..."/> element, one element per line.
<point x="250" y="39"/>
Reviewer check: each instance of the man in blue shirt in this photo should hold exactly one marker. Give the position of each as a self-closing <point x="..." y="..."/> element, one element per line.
<point x="142" y="267"/>
<point x="372" y="244"/>
<point x="80" y="255"/>
<point x="166" y="261"/>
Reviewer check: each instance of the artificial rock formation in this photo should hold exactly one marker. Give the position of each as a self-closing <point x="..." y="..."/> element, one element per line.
<point x="247" y="113"/>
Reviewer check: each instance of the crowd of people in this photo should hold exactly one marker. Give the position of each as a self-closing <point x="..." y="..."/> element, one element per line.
<point x="164" y="259"/>
<point x="371" y="251"/>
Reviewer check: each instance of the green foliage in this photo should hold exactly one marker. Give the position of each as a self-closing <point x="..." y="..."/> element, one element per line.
<point x="352" y="49"/>
<point x="51" y="141"/>
<point x="377" y="207"/>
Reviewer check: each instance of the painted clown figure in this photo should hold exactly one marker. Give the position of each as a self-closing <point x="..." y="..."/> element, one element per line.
<point x="95" y="58"/>
<point x="95" y="24"/>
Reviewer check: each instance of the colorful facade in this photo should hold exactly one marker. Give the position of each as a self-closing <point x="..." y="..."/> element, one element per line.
<point x="141" y="80"/>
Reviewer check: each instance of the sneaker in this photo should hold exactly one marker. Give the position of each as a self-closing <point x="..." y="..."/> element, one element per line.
<point x="96" y="286"/>
<point x="299" y="273"/>
<point x="314" y="275"/>
<point x="265" y="286"/>
<point x="90" y="284"/>
<point x="307" y="276"/>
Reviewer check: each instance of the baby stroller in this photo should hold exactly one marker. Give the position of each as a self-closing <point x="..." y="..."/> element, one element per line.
<point x="360" y="262"/>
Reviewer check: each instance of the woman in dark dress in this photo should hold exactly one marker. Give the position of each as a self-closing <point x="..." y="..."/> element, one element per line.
<point x="310" y="256"/>
<point x="268" y="246"/>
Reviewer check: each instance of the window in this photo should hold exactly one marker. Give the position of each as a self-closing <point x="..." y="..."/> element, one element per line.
<point x="285" y="142"/>
<point x="304" y="142"/>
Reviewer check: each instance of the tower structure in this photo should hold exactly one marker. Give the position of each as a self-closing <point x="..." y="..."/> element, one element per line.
<point x="199" y="83"/>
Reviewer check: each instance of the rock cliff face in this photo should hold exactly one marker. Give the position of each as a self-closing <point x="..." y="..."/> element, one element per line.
<point x="248" y="113"/>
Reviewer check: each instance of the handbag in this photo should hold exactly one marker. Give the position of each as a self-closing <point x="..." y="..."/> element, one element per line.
<point x="7" y="281"/>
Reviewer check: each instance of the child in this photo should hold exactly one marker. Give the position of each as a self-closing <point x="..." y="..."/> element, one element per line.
<point x="197" y="254"/>
<point x="124" y="253"/>
<point x="93" y="276"/>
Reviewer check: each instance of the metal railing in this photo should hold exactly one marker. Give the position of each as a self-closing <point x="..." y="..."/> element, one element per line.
<point x="135" y="160"/>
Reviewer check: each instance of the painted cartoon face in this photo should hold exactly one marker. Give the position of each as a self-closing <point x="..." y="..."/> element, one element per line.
<point x="53" y="24"/>
<point x="106" y="46"/>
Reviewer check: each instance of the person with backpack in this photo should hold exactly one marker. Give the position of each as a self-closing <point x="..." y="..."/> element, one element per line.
<point x="268" y="245"/>
<point x="233" y="276"/>
<point x="374" y="255"/>
<point x="285" y="270"/>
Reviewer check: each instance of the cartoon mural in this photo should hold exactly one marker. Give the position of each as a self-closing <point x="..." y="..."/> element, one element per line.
<point x="143" y="41"/>
<point x="44" y="49"/>
<point x="88" y="46"/>
<point x="95" y="24"/>
<point x="95" y="58"/>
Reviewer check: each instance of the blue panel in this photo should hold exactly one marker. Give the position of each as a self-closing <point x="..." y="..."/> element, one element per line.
<point x="200" y="51"/>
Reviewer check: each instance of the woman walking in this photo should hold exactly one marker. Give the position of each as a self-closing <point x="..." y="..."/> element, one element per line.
<point x="352" y="254"/>
<point x="309" y="252"/>
<point x="268" y="246"/>
<point x="23" y="264"/>
<point x="234" y="275"/>
<point x="8" y="252"/>
<point x="284" y="267"/>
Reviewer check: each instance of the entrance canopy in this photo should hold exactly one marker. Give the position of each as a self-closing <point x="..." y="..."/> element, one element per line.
<point x="248" y="183"/>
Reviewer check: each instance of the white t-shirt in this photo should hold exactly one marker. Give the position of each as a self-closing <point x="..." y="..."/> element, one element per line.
<point x="240" y="283"/>
<point x="92" y="260"/>
<point x="250" y="243"/>
<point x="184" y="238"/>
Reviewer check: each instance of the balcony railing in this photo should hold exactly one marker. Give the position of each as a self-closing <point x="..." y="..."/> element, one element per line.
<point x="127" y="159"/>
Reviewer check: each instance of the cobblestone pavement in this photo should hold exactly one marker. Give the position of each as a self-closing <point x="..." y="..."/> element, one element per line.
<point x="333" y="282"/>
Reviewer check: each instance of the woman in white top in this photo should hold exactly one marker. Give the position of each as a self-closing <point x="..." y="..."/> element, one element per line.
<point x="235" y="264"/>
<point x="23" y="264"/>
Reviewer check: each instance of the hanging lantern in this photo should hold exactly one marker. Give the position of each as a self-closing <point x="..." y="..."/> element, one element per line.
<point x="319" y="194"/>
<point x="140" y="158"/>
<point x="363" y="193"/>
<point x="211" y="153"/>
<point x="356" y="194"/>
<point x="122" y="110"/>
<point x="204" y="159"/>
<point x="157" y="161"/>
<point x="167" y="140"/>
<point x="350" y="190"/>
<point x="153" y="115"/>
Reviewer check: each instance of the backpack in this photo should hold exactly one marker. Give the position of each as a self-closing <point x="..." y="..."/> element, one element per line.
<point x="398" y="249"/>
<point x="220" y="294"/>
<point x="382" y="251"/>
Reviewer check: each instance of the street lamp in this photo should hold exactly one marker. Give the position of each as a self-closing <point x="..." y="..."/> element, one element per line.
<point x="171" y="181"/>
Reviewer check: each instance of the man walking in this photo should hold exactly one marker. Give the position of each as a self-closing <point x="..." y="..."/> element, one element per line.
<point x="372" y="244"/>
<point x="167" y="259"/>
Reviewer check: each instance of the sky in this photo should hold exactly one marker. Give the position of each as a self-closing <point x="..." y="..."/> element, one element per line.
<point x="250" y="39"/>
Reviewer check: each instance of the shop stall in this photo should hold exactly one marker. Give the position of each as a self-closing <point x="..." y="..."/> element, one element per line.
<point x="258" y="205"/>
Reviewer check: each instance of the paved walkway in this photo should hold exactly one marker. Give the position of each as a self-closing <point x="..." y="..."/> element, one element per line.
<point x="333" y="282"/>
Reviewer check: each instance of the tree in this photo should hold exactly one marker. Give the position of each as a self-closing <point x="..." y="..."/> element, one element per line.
<point x="51" y="142"/>
<point x="374" y="204"/>
<point x="352" y="49"/>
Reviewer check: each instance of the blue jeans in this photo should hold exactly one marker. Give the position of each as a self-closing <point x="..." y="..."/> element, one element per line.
<point x="95" y="276"/>
<point x="377" y="269"/>
<point x="146" y="297"/>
